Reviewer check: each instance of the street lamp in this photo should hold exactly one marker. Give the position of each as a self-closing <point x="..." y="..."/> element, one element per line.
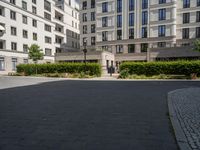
<point x="85" y="52"/>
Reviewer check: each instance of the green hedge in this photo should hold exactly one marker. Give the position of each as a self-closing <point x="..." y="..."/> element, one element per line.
<point x="156" y="68"/>
<point x="92" y="69"/>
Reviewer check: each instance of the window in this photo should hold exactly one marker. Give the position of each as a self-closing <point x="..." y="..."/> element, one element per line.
<point x="47" y="5"/>
<point x="93" y="40"/>
<point x="93" y="28"/>
<point x="25" y="48"/>
<point x="144" y="32"/>
<point x="104" y="35"/>
<point x="162" y="1"/>
<point x="119" y="34"/>
<point x="48" y="52"/>
<point x="92" y="3"/>
<point x="186" y="3"/>
<point x="119" y="6"/>
<point x="47" y="40"/>
<point x="197" y="32"/>
<point x="84" y="41"/>
<point x="25" y="61"/>
<point x="144" y="17"/>
<point x="13" y="46"/>
<point x="24" y="5"/>
<point x="47" y="16"/>
<point x="119" y="48"/>
<point x="131" y="19"/>
<point x="35" y="36"/>
<point x="161" y="44"/>
<point x="47" y="28"/>
<point x="2" y="44"/>
<point x="185" y="33"/>
<point x="198" y="16"/>
<point x="131" y="48"/>
<point x="84" y="29"/>
<point x="34" y="23"/>
<point x="105" y="7"/>
<point x="131" y="33"/>
<point x="72" y="23"/>
<point x="144" y="47"/>
<point x="131" y="5"/>
<point x="161" y="30"/>
<point x="2" y="64"/>
<point x="92" y="16"/>
<point x="2" y="11"/>
<point x="34" y="10"/>
<point x="119" y="21"/>
<point x="144" y="4"/>
<point x="104" y="21"/>
<point x="24" y="19"/>
<point x="13" y="31"/>
<point x="13" y="2"/>
<point x="84" y="7"/>
<point x="162" y="14"/>
<point x="186" y="17"/>
<point x="12" y="15"/>
<point x="84" y="17"/>
<point x="25" y="34"/>
<point x="34" y="1"/>
<point x="14" y="64"/>
<point x="198" y="3"/>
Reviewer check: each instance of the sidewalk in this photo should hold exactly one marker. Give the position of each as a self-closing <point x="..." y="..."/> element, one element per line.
<point x="184" y="109"/>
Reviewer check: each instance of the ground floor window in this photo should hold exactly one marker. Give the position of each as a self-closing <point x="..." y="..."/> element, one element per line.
<point x="14" y="63"/>
<point x="119" y="48"/>
<point x="25" y="61"/>
<point x="131" y="48"/>
<point x="161" y="44"/>
<point x="2" y="63"/>
<point x="144" y="47"/>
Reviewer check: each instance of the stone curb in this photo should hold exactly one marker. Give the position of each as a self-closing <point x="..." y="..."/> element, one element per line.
<point x="179" y="133"/>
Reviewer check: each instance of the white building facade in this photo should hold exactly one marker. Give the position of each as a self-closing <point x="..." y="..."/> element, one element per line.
<point x="42" y="22"/>
<point x="133" y="26"/>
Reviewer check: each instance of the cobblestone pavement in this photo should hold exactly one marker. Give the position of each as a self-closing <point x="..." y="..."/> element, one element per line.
<point x="186" y="105"/>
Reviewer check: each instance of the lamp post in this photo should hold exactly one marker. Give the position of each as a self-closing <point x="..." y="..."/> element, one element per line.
<point x="85" y="52"/>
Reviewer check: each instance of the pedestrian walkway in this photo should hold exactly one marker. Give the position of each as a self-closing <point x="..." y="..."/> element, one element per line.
<point x="184" y="107"/>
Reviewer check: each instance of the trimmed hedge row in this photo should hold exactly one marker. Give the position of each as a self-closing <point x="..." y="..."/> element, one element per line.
<point x="92" y="69"/>
<point x="156" y="68"/>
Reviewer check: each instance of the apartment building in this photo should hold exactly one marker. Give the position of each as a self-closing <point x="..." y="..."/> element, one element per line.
<point x="51" y="24"/>
<point x="128" y="28"/>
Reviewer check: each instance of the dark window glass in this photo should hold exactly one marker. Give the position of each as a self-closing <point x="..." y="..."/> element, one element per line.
<point x="186" y="3"/>
<point x="186" y="17"/>
<point x="131" y="5"/>
<point x="144" y="32"/>
<point x="144" y="4"/>
<point x="105" y="7"/>
<point x="119" y="34"/>
<point x="131" y="19"/>
<point x="131" y="33"/>
<point x="144" y="47"/>
<point x="119" y="20"/>
<point x="131" y="48"/>
<point x="119" y="6"/>
<point x="162" y="14"/>
<point x="161" y="30"/>
<point x="186" y="33"/>
<point x="144" y="18"/>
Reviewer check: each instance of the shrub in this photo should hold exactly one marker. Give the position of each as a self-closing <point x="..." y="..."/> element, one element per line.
<point x="124" y="74"/>
<point x="92" y="69"/>
<point x="156" y="68"/>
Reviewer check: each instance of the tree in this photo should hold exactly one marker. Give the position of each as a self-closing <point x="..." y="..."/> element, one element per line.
<point x="35" y="53"/>
<point x="197" y="45"/>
